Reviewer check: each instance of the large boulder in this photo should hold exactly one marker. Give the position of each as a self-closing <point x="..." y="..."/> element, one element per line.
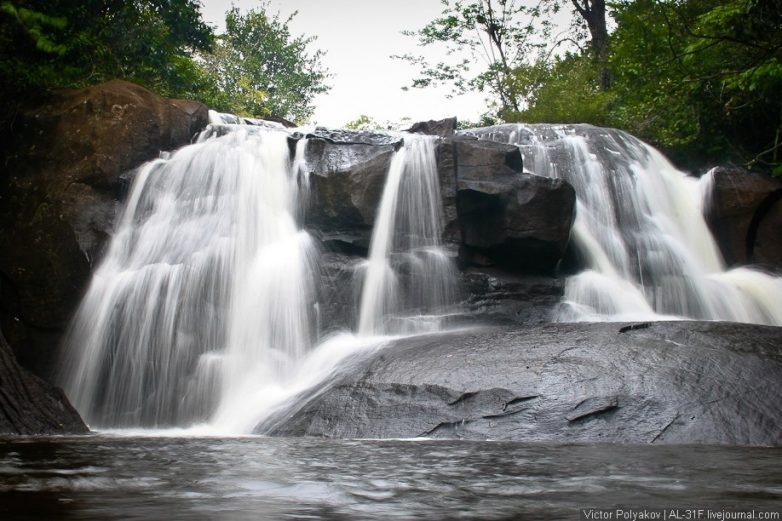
<point x="664" y="382"/>
<point x="489" y="205"/>
<point x="28" y="405"/>
<point x="60" y="185"/>
<point x="443" y="127"/>
<point x="518" y="220"/>
<point x="338" y="292"/>
<point x="346" y="181"/>
<point x="744" y="212"/>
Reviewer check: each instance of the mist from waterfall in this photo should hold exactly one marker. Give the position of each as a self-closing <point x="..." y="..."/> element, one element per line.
<point x="639" y="227"/>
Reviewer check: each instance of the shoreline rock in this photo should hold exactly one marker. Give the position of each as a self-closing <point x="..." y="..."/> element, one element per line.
<point x="30" y="406"/>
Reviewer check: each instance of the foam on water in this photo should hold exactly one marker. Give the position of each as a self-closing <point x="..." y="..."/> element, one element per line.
<point x="640" y="229"/>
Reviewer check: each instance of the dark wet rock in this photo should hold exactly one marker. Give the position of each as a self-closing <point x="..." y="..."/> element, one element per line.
<point x="59" y="189"/>
<point x="665" y="382"/>
<point x="522" y="222"/>
<point x="744" y="212"/>
<point x="463" y="158"/>
<point x="499" y="214"/>
<point x="496" y="296"/>
<point x="481" y="160"/>
<point x="346" y="184"/>
<point x="282" y="121"/>
<point x="445" y="159"/>
<point x="28" y="405"/>
<point x="511" y="219"/>
<point x="338" y="298"/>
<point x="443" y="127"/>
<point x="341" y="136"/>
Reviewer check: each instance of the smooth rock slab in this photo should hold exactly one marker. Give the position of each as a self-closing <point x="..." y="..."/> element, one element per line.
<point x="665" y="382"/>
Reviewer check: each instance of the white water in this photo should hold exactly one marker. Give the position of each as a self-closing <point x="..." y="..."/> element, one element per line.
<point x="409" y="280"/>
<point x="640" y="229"/>
<point x="203" y="313"/>
<point x="206" y="292"/>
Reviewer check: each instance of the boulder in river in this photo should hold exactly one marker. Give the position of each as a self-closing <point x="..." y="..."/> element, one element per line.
<point x="744" y="212"/>
<point x="443" y="127"/>
<point x="518" y="220"/>
<point x="346" y="182"/>
<point x="662" y="382"/>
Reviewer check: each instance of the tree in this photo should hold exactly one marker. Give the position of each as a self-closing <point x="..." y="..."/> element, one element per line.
<point x="569" y="90"/>
<point x="50" y="43"/>
<point x="362" y="122"/>
<point x="486" y="40"/>
<point x="498" y="46"/>
<point x="259" y="69"/>
<point x="593" y="12"/>
<point x="702" y="78"/>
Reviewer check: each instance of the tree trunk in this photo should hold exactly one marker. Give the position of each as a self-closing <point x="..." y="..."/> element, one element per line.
<point x="594" y="13"/>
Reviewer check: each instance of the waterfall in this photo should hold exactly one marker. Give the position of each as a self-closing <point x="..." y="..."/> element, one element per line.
<point x="408" y="279"/>
<point x="204" y="309"/>
<point x="640" y="229"/>
<point x="205" y="290"/>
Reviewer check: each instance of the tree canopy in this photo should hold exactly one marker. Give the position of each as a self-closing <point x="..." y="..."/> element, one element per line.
<point x="52" y="43"/>
<point x="256" y="68"/>
<point x="699" y="78"/>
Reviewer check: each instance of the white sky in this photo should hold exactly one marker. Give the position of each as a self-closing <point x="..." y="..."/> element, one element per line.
<point x="359" y="36"/>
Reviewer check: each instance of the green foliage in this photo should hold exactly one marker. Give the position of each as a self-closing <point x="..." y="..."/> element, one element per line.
<point x="702" y="78"/>
<point x="257" y="68"/>
<point x="648" y="82"/>
<point x="565" y="91"/>
<point x="486" y="40"/>
<point x="54" y="43"/>
<point x="37" y="25"/>
<point x="699" y="78"/>
<point x="363" y="122"/>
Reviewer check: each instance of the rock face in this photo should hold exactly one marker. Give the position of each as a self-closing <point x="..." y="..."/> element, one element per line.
<point x="504" y="216"/>
<point x="511" y="228"/>
<point x="346" y="183"/>
<point x="28" y="405"/>
<point x="59" y="188"/>
<point x="744" y="212"/>
<point x="522" y="223"/>
<point x="665" y="382"/>
<point x="501" y="215"/>
<point x="495" y="296"/>
<point x="443" y="128"/>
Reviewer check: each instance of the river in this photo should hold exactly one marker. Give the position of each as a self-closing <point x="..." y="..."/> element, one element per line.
<point x="127" y="476"/>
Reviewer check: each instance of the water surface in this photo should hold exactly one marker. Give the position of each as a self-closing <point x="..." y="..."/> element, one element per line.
<point x="169" y="478"/>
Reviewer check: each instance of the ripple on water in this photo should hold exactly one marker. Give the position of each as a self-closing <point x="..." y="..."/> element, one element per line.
<point x="111" y="478"/>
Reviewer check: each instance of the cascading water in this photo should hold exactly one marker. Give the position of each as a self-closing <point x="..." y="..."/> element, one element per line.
<point x="205" y="291"/>
<point x="203" y="310"/>
<point x="408" y="280"/>
<point x="639" y="225"/>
